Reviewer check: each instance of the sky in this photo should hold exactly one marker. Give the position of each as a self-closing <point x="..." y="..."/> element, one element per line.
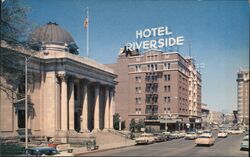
<point x="218" y="33"/>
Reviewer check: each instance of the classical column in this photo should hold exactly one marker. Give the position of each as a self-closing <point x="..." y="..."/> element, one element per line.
<point x="106" y="111"/>
<point x="84" y="116"/>
<point x="71" y="104"/>
<point x="97" y="109"/>
<point x="111" y="110"/>
<point x="64" y="102"/>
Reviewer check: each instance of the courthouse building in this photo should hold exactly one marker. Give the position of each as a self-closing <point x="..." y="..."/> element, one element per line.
<point x="67" y="94"/>
<point x="161" y="88"/>
<point x="243" y="96"/>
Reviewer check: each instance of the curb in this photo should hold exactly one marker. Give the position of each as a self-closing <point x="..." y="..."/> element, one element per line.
<point x="102" y="150"/>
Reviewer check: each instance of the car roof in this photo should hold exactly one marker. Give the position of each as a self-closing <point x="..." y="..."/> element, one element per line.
<point x="41" y="148"/>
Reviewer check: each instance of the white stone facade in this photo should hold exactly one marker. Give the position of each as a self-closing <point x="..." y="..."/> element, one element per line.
<point x="68" y="93"/>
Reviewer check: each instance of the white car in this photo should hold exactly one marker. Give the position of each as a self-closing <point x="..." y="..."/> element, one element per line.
<point x="145" y="138"/>
<point x="190" y="136"/>
<point x="245" y="143"/>
<point x="222" y="134"/>
<point x="235" y="131"/>
<point x="205" y="139"/>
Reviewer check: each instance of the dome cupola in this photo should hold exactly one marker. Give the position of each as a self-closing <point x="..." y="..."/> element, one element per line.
<point x="51" y="34"/>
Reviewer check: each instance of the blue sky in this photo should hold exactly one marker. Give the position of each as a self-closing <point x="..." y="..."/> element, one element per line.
<point x="218" y="32"/>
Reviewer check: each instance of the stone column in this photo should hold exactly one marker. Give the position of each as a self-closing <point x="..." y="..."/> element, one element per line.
<point x="111" y="110"/>
<point x="97" y="109"/>
<point x="106" y="111"/>
<point x="71" y="104"/>
<point x="64" y="102"/>
<point x="84" y="116"/>
<point x="58" y="106"/>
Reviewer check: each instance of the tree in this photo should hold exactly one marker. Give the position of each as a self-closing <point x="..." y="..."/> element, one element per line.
<point x="116" y="121"/>
<point x="140" y="125"/>
<point x="132" y="125"/>
<point x="14" y="30"/>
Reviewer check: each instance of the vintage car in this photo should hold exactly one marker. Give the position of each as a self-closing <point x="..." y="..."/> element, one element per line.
<point x="145" y="138"/>
<point x="205" y="139"/>
<point x="199" y="132"/>
<point x="168" y="135"/>
<point x="176" y="134"/>
<point x="190" y="136"/>
<point x="245" y="143"/>
<point x="235" y="131"/>
<point x="47" y="151"/>
<point x="222" y="134"/>
<point x="41" y="151"/>
<point x="159" y="137"/>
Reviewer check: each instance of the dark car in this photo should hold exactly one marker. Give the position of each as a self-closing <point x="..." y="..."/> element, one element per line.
<point x="41" y="151"/>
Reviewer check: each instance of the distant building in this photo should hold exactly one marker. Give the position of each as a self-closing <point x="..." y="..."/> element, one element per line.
<point x="229" y="118"/>
<point x="243" y="96"/>
<point x="163" y="89"/>
<point x="205" y="115"/>
<point x="215" y="117"/>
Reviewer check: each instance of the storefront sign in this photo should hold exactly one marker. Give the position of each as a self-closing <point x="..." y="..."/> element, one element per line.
<point x="162" y="41"/>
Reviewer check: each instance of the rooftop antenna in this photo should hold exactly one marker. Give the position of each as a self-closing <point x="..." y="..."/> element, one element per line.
<point x="189" y="48"/>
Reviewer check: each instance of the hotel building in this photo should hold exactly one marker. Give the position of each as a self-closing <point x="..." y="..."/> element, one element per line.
<point x="163" y="89"/>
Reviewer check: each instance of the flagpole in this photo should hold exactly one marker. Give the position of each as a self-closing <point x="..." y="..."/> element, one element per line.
<point x="88" y="33"/>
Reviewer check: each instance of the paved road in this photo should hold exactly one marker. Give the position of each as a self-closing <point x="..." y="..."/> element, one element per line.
<point x="229" y="146"/>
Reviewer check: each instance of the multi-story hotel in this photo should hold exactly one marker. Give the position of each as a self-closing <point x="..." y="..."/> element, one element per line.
<point x="243" y="96"/>
<point x="163" y="89"/>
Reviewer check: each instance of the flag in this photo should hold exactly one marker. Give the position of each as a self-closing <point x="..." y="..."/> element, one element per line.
<point x="86" y="22"/>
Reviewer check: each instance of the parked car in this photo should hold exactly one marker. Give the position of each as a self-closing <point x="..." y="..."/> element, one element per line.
<point x="182" y="134"/>
<point x="159" y="137"/>
<point x="199" y="132"/>
<point x="222" y="134"/>
<point x="205" y="139"/>
<point x="236" y="131"/>
<point x="245" y="143"/>
<point x="168" y="135"/>
<point x="41" y="151"/>
<point x="175" y="134"/>
<point x="145" y="138"/>
<point x="190" y="136"/>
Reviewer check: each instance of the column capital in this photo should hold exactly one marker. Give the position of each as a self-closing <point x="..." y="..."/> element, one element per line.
<point x="62" y="76"/>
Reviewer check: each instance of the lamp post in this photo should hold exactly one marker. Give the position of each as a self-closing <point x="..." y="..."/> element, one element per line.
<point x="26" y="98"/>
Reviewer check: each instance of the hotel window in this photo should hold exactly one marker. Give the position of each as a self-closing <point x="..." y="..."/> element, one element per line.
<point x="138" y="68"/>
<point x="167" y="65"/>
<point x="138" y="89"/>
<point x="167" y="88"/>
<point x="138" y="101"/>
<point x="138" y="111"/>
<point x="138" y="79"/>
<point x="167" y="99"/>
<point x="167" y="77"/>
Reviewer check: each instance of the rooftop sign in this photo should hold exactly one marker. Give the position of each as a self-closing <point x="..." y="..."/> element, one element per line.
<point x="160" y="33"/>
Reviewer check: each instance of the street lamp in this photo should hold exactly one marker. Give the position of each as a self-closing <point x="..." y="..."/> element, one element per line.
<point x="26" y="98"/>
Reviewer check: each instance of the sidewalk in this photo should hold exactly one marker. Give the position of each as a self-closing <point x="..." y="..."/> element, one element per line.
<point x="104" y="147"/>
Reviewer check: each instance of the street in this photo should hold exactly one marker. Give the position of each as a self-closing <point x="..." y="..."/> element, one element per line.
<point x="229" y="146"/>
